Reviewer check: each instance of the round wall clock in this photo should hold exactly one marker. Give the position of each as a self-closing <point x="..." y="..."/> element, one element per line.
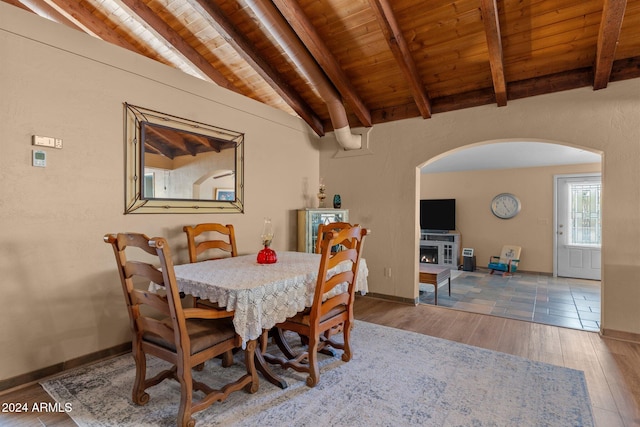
<point x="505" y="205"/>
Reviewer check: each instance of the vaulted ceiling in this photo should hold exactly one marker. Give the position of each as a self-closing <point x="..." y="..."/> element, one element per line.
<point x="383" y="60"/>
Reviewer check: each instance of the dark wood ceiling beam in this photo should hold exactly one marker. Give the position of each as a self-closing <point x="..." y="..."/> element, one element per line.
<point x="557" y="82"/>
<point x="148" y="149"/>
<point x="494" y="43"/>
<point x="84" y="20"/>
<point x="170" y="144"/>
<point x="622" y="70"/>
<point x="610" y="25"/>
<point x="216" y="18"/>
<point x="174" y="39"/>
<point x="398" y="45"/>
<point x="307" y="33"/>
<point x="197" y="144"/>
<point x="459" y="101"/>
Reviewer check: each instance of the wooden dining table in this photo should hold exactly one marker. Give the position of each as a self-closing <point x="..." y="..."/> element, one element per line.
<point x="261" y="295"/>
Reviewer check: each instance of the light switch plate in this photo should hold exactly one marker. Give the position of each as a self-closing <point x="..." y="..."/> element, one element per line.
<point x="46" y="141"/>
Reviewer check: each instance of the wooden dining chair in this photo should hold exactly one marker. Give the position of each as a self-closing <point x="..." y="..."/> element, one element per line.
<point x="213" y="240"/>
<point x="161" y="327"/>
<point x="328" y="317"/>
<point x="210" y="241"/>
<point x="332" y="226"/>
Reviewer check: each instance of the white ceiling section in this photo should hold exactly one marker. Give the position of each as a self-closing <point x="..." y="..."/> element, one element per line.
<point x="509" y="155"/>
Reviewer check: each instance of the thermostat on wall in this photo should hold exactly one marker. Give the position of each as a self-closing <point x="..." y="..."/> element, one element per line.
<point x="39" y="158"/>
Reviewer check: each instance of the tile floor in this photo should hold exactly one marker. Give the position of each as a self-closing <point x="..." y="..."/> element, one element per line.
<point x="558" y="301"/>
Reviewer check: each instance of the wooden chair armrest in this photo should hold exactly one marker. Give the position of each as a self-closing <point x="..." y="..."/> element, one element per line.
<point x="206" y="313"/>
<point x="494" y="257"/>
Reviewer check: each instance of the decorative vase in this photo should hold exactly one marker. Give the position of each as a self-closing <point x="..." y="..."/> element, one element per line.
<point x="267" y="255"/>
<point x="337" y="201"/>
<point x="321" y="196"/>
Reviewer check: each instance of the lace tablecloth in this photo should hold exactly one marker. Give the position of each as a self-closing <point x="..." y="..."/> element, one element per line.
<point x="261" y="295"/>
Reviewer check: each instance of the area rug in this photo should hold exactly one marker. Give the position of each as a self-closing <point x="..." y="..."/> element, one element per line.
<point x="396" y="378"/>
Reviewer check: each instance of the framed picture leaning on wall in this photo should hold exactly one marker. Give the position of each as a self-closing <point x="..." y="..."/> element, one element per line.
<point x="227" y="194"/>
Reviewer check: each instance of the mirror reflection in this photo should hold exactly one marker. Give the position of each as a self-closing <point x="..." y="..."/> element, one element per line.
<point x="178" y="165"/>
<point x="186" y="165"/>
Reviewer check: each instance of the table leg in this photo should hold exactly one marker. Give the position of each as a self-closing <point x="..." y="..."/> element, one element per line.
<point x="265" y="370"/>
<point x="435" y="285"/>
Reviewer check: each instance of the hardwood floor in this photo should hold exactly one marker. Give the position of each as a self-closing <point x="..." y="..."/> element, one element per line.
<point x="612" y="368"/>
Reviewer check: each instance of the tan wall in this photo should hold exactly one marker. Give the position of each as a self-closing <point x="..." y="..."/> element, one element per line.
<point x="532" y="228"/>
<point x="381" y="187"/>
<point x="60" y="291"/>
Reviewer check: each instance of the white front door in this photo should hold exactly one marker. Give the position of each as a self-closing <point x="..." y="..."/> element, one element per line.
<point x="578" y="226"/>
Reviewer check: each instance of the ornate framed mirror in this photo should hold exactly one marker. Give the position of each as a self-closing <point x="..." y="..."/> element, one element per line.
<point x="176" y="165"/>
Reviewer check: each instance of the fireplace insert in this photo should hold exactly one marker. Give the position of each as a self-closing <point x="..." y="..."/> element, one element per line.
<point x="429" y="254"/>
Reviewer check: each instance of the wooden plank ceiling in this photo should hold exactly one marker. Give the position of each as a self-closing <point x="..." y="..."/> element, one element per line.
<point x="387" y="59"/>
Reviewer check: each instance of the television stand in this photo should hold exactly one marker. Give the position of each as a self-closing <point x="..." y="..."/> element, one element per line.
<point x="441" y="249"/>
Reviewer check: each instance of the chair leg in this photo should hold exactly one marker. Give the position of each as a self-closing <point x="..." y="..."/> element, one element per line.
<point x="346" y="333"/>
<point x="139" y="396"/>
<point x="303" y="340"/>
<point x="326" y="345"/>
<point x="227" y="358"/>
<point x="186" y="396"/>
<point x="314" y="370"/>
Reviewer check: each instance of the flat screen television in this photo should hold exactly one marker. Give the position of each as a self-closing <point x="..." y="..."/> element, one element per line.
<point x="438" y="215"/>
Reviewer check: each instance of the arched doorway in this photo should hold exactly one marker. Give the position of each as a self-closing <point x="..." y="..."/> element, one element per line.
<point x="473" y="175"/>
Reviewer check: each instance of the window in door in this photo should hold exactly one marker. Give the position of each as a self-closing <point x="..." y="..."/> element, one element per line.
<point x="586" y="222"/>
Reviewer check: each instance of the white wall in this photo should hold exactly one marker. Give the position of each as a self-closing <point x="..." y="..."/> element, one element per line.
<point x="60" y="290"/>
<point x="381" y="189"/>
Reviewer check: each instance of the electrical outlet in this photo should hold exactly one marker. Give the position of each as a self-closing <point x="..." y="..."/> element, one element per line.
<point x="387" y="272"/>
